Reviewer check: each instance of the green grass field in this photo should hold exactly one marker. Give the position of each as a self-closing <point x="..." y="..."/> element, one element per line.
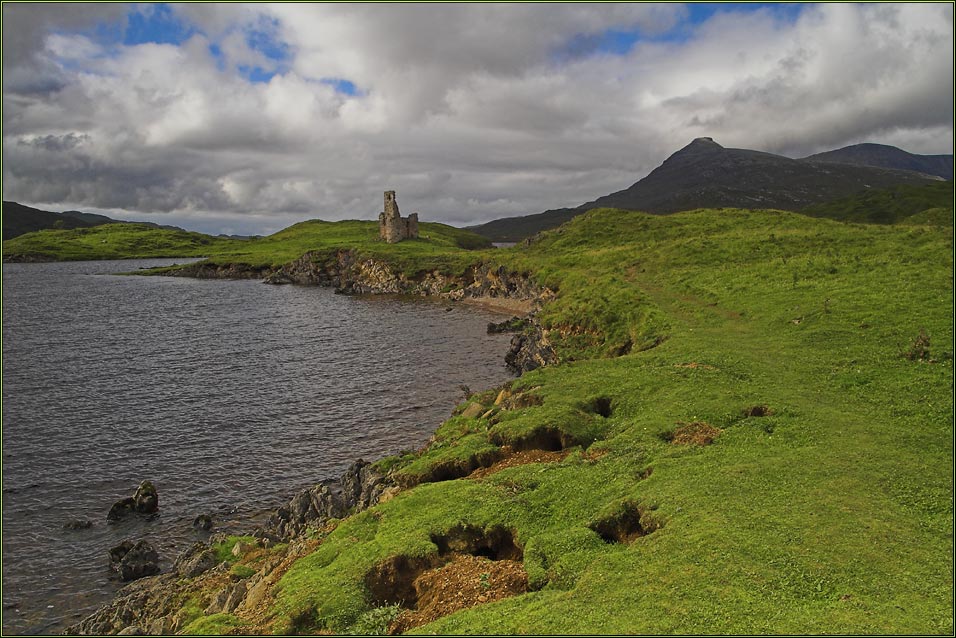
<point x="829" y="513"/>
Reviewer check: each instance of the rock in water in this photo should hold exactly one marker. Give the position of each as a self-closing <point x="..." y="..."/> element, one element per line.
<point x="144" y="501"/>
<point x="134" y="561"/>
<point x="146" y="498"/>
<point x="203" y="522"/>
<point x="79" y="523"/>
<point x="117" y="552"/>
<point x="121" y="508"/>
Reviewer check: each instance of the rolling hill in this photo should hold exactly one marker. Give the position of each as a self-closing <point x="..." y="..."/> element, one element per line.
<point x="20" y="220"/>
<point x="704" y="174"/>
<point x="884" y="156"/>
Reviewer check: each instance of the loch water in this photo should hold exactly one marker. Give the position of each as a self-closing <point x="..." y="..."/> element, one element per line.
<point x="229" y="396"/>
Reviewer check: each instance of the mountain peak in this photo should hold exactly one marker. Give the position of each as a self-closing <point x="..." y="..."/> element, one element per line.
<point x="703" y="142"/>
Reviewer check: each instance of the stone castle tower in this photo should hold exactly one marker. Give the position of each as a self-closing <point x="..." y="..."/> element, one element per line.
<point x="391" y="227"/>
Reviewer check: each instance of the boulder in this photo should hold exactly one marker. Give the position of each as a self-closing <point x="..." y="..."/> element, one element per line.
<point x="132" y="561"/>
<point x="473" y="411"/>
<point x="203" y="522"/>
<point x="145" y="501"/>
<point x="79" y="523"/>
<point x="121" y="508"/>
<point x="241" y="548"/>
<point x="117" y="552"/>
<point x="195" y="560"/>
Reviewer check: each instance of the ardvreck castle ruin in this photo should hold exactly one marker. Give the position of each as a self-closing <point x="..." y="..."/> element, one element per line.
<point x="391" y="227"/>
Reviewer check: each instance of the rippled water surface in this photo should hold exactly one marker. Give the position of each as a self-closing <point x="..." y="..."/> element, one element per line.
<point x="228" y="395"/>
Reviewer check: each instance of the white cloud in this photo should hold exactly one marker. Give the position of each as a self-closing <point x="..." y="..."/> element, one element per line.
<point x="470" y="111"/>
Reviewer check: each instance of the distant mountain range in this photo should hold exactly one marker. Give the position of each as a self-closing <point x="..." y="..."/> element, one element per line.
<point x="704" y="174"/>
<point x="20" y="220"/>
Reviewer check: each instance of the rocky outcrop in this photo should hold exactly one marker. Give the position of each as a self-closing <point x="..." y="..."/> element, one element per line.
<point x="144" y="501"/>
<point x="359" y="488"/>
<point x="195" y="560"/>
<point x="530" y="350"/>
<point x="311" y="507"/>
<point x="206" y="270"/>
<point x="132" y="561"/>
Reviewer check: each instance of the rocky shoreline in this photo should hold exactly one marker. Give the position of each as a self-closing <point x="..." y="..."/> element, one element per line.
<point x="159" y="604"/>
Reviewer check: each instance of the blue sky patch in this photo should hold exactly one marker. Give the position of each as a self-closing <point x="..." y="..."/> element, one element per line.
<point x="342" y="86"/>
<point x="157" y="24"/>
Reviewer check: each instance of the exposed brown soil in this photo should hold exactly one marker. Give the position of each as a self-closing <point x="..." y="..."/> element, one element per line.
<point x="514" y="459"/>
<point x="758" y="411"/>
<point x="626" y="525"/>
<point x="258" y="615"/>
<point x="545" y="437"/>
<point x="696" y="433"/>
<point x="463" y="582"/>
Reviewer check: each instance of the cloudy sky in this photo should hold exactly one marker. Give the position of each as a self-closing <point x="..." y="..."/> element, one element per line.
<point x="246" y="118"/>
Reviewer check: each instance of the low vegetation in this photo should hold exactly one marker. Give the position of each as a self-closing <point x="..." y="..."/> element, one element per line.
<point x="111" y="241"/>
<point x="923" y="204"/>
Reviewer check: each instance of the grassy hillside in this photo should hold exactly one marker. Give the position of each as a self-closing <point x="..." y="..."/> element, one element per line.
<point x="890" y="205"/>
<point x="123" y="241"/>
<point x="437" y="244"/>
<point x="814" y="357"/>
<point x="19" y="220"/>
<point x="111" y="241"/>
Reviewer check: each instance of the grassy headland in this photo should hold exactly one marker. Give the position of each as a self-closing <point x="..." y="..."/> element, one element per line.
<point x="754" y="416"/>
<point x="819" y="353"/>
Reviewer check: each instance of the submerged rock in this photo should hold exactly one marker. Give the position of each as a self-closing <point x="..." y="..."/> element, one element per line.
<point x="78" y="523"/>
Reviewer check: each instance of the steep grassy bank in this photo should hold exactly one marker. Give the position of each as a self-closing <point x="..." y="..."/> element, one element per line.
<point x="750" y="432"/>
<point x="772" y="451"/>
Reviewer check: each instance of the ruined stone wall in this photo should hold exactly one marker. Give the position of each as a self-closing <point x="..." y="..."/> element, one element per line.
<point x="391" y="227"/>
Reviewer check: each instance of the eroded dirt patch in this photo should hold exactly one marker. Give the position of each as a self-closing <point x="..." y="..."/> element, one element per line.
<point x="463" y="582"/>
<point x="695" y="433"/>
<point x="511" y="458"/>
<point x="625" y="525"/>
<point x="758" y="411"/>
<point x="473" y="566"/>
<point x="547" y="438"/>
<point x="496" y="543"/>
